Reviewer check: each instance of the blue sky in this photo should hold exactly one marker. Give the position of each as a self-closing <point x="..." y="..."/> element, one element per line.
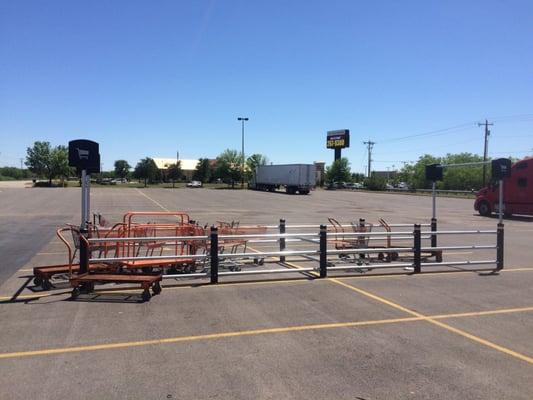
<point x="147" y="78"/>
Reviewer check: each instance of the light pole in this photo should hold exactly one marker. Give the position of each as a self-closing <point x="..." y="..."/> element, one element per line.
<point x="242" y="119"/>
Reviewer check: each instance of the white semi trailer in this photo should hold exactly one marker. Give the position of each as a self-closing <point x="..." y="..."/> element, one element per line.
<point x="294" y="178"/>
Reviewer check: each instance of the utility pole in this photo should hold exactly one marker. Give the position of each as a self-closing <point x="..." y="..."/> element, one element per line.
<point x="486" y="149"/>
<point x="369" y="145"/>
<point x="21" y="159"/>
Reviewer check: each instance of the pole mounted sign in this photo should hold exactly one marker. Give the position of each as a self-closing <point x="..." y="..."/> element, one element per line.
<point x="501" y="168"/>
<point x="84" y="155"/>
<point x="338" y="140"/>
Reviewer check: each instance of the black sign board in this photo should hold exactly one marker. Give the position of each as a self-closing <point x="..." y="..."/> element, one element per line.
<point x="501" y="168"/>
<point x="84" y="154"/>
<point x="434" y="172"/>
<point x="338" y="139"/>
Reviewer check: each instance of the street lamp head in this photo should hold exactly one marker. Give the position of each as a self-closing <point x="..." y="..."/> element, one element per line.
<point x="242" y="119"/>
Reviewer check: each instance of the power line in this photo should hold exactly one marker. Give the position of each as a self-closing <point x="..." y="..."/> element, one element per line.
<point x="435" y="132"/>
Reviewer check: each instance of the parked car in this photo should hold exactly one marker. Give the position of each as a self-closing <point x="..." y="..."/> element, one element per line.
<point x="403" y="186"/>
<point x="349" y="185"/>
<point x="389" y="186"/>
<point x="195" y="184"/>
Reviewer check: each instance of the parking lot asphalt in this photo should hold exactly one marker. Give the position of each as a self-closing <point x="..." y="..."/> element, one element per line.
<point x="458" y="334"/>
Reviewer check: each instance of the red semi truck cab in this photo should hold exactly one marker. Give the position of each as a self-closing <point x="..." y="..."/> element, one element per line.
<point x="517" y="192"/>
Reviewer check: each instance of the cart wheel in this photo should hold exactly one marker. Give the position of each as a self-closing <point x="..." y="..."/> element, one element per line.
<point x="237" y="269"/>
<point x="146" y="295"/>
<point x="75" y="293"/>
<point x="380" y="256"/>
<point x="187" y="269"/>
<point x="394" y="256"/>
<point x="46" y="285"/>
<point x="261" y="261"/>
<point x="156" y="288"/>
<point x="38" y="281"/>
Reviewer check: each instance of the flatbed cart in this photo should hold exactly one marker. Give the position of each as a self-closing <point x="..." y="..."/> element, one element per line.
<point x="130" y="227"/>
<point x="146" y="281"/>
<point x="44" y="274"/>
<point x="85" y="282"/>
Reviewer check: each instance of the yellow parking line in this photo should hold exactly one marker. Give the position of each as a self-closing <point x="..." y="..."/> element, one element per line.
<point x="203" y="337"/>
<point x="433" y="321"/>
<point x="426" y="275"/>
<point x="222" y="335"/>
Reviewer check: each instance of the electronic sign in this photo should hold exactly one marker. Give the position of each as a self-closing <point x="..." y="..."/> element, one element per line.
<point x="338" y="139"/>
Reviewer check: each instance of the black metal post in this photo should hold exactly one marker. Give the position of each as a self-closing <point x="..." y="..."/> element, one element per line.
<point x="84" y="252"/>
<point x="323" y="251"/>
<point x="417" y="259"/>
<point x="214" y="254"/>
<point x="282" y="240"/>
<point x="433" y="229"/>
<point x="337" y="154"/>
<point x="499" y="247"/>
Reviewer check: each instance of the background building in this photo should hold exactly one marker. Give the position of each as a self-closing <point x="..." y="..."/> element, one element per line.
<point x="187" y="166"/>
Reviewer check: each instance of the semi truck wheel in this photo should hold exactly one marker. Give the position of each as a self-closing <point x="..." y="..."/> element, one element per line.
<point x="484" y="209"/>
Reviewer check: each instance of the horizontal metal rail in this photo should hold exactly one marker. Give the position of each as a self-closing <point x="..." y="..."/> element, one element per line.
<point x="372" y="266"/>
<point x="473" y="247"/>
<point x="268" y="253"/>
<point x="375" y="226"/>
<point x="391" y="234"/>
<point x="372" y="250"/>
<point x="266" y="235"/>
<point x="473" y="232"/>
<point x="444" y="263"/>
<point x="191" y="275"/>
<point x="147" y="239"/>
<point x="141" y="258"/>
<point x="266" y="271"/>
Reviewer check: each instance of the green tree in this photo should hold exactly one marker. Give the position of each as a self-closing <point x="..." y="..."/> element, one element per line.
<point x="415" y="174"/>
<point x="147" y="170"/>
<point x="229" y="166"/>
<point x="203" y="171"/>
<point x="463" y="178"/>
<point x="358" y="177"/>
<point x="122" y="169"/>
<point x="254" y="161"/>
<point x="43" y="160"/>
<point x="174" y="172"/>
<point x="38" y="160"/>
<point x="455" y="178"/>
<point x="59" y="163"/>
<point x="375" y="183"/>
<point x="14" y="173"/>
<point x="339" y="171"/>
